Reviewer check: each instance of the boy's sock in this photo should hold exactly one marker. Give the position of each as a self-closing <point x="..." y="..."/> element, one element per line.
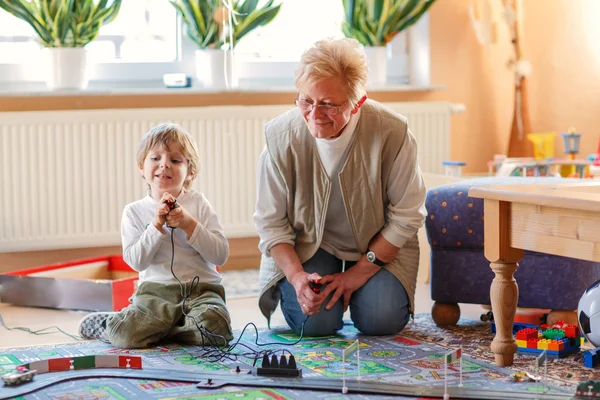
<point x="93" y="326"/>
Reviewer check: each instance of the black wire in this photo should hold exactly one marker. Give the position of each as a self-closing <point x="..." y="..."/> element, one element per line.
<point x="214" y="352"/>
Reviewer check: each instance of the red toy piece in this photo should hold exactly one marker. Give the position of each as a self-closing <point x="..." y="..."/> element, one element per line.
<point x="315" y="286"/>
<point x="172" y="204"/>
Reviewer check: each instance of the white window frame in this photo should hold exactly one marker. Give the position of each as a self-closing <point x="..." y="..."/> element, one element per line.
<point x="251" y="73"/>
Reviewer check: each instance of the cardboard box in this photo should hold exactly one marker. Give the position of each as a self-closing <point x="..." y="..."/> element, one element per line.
<point x="94" y="284"/>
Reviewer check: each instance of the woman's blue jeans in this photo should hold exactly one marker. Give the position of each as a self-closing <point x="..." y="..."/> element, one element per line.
<point x="379" y="307"/>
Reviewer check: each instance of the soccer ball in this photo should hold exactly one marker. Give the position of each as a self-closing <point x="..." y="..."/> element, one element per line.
<point x="588" y="314"/>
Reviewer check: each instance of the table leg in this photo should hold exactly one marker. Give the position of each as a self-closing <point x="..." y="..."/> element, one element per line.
<point x="504" y="294"/>
<point x="504" y="291"/>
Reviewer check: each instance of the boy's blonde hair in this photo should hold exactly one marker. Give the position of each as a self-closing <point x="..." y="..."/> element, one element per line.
<point x="330" y="58"/>
<point x="165" y="134"/>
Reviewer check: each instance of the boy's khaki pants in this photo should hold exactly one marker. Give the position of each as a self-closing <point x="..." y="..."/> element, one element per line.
<point x="156" y="314"/>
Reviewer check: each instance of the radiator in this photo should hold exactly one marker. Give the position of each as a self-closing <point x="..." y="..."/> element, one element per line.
<point x="66" y="175"/>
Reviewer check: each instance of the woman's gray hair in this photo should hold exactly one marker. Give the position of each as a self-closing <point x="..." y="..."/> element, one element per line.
<point x="330" y="58"/>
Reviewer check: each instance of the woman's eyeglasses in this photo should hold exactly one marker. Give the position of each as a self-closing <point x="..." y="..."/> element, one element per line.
<point x="327" y="109"/>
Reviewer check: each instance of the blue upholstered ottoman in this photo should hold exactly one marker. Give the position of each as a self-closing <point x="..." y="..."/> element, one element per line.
<point x="460" y="273"/>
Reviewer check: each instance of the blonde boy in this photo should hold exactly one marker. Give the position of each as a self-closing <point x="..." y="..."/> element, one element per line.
<point x="161" y="309"/>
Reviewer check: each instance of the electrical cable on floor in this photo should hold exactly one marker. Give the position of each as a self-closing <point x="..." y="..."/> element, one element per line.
<point x="39" y="331"/>
<point x="212" y="344"/>
<point x="212" y="349"/>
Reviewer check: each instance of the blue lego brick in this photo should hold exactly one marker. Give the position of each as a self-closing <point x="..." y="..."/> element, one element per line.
<point x="517" y="326"/>
<point x="549" y="353"/>
<point x="591" y="358"/>
<point x="569" y="349"/>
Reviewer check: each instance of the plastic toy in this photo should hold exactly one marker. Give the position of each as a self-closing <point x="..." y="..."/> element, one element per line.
<point x="557" y="340"/>
<point x="588" y="389"/>
<point x="523" y="376"/>
<point x="285" y="367"/>
<point x="316" y="286"/>
<point x="172" y="204"/>
<point x="591" y="358"/>
<point x="571" y="142"/>
<point x="517" y="326"/>
<point x="19" y="375"/>
<point x="597" y="157"/>
<point x="543" y="163"/>
<point x="453" y="168"/>
<point x="26" y="372"/>
<point x="588" y="314"/>
<point x="543" y="144"/>
<point x="488" y="316"/>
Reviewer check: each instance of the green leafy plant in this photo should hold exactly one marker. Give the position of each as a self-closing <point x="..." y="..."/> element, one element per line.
<point x="64" y="23"/>
<point x="376" y="22"/>
<point x="203" y="19"/>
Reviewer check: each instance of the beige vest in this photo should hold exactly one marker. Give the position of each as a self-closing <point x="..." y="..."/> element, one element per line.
<point x="376" y="142"/>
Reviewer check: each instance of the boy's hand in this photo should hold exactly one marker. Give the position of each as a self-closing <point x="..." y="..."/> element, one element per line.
<point x="180" y="218"/>
<point x="161" y="212"/>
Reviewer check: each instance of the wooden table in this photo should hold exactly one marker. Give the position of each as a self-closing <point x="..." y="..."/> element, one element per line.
<point x="561" y="219"/>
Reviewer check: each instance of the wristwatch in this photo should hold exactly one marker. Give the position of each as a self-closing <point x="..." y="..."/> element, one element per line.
<point x="372" y="258"/>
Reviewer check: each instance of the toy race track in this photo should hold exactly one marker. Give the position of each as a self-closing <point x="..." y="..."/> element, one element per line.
<point x="207" y="383"/>
<point x="388" y="365"/>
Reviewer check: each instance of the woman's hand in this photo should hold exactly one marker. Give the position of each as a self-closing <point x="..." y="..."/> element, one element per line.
<point x="309" y="301"/>
<point x="343" y="284"/>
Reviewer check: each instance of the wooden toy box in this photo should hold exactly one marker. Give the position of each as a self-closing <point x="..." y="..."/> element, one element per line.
<point x="94" y="284"/>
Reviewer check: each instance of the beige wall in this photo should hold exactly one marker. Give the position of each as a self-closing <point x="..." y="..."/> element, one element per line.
<point x="561" y="40"/>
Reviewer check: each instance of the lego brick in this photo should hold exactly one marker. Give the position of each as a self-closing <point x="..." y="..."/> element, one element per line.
<point x="591" y="358"/>
<point x="532" y="343"/>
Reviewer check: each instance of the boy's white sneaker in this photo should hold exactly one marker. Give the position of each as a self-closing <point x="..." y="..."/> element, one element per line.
<point x="93" y="326"/>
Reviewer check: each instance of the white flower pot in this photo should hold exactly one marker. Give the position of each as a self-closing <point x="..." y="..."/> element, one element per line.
<point x="215" y="69"/>
<point x="377" y="60"/>
<point x="67" y="68"/>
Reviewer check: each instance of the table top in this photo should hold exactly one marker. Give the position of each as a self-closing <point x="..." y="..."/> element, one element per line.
<point x="584" y="195"/>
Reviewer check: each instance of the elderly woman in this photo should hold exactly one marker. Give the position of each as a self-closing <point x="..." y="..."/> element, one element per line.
<point x="340" y="200"/>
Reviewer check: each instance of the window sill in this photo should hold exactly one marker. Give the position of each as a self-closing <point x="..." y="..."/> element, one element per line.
<point x="35" y="96"/>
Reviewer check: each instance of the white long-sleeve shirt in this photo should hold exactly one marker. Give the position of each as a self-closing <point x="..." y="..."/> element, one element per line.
<point x="337" y="234"/>
<point x="149" y="252"/>
<point x="405" y="190"/>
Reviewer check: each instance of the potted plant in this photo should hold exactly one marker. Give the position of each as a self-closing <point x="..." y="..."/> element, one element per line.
<point x="63" y="28"/>
<point x="216" y="26"/>
<point x="374" y="23"/>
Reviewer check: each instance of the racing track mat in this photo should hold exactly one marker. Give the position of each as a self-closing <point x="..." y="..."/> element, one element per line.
<point x="410" y="358"/>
